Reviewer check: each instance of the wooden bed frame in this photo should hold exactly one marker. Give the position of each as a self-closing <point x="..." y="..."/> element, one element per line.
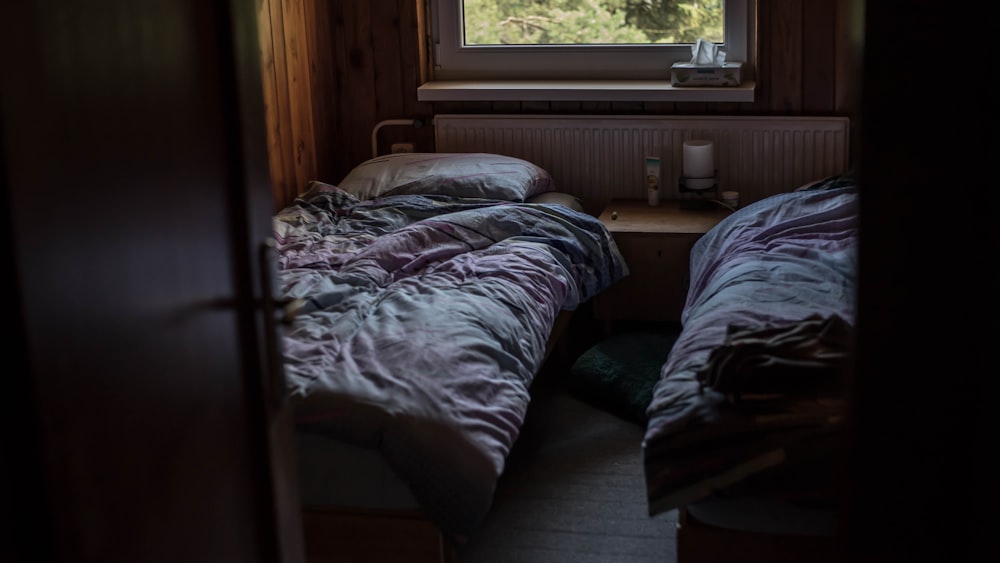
<point x="698" y="542"/>
<point x="335" y="535"/>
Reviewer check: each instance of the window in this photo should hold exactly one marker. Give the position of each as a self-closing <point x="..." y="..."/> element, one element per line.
<point x="582" y="39"/>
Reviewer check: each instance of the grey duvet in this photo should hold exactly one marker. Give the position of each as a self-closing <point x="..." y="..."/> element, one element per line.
<point x="758" y="369"/>
<point x="423" y="321"/>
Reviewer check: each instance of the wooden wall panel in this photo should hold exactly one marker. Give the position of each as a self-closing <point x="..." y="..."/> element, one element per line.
<point x="326" y="120"/>
<point x="275" y="83"/>
<point x="850" y="40"/>
<point x="387" y="60"/>
<point x="819" y="55"/>
<point x="762" y="67"/>
<point x="285" y="59"/>
<point x="356" y="95"/>
<point x="366" y="67"/>
<point x="297" y="57"/>
<point x="410" y="23"/>
<point x="786" y="56"/>
<point x="336" y="97"/>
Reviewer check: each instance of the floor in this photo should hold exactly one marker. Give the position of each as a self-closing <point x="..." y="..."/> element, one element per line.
<point x="573" y="491"/>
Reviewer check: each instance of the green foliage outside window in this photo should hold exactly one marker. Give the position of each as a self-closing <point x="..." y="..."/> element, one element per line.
<point x="581" y="22"/>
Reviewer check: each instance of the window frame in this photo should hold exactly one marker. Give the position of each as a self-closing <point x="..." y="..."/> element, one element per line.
<point x="452" y="60"/>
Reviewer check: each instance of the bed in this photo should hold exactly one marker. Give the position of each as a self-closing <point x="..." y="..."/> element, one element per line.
<point x="425" y="292"/>
<point x="746" y="417"/>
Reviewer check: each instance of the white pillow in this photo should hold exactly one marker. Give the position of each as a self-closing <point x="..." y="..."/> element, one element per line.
<point x="569" y="200"/>
<point x="474" y="175"/>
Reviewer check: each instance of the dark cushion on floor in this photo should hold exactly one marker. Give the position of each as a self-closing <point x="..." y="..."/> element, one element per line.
<point x="618" y="373"/>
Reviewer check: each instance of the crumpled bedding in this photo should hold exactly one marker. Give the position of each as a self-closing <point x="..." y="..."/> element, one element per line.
<point x="804" y="357"/>
<point x="423" y="320"/>
<point x="766" y="329"/>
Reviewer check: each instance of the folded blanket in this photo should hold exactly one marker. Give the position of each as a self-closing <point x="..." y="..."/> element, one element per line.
<point x="803" y="357"/>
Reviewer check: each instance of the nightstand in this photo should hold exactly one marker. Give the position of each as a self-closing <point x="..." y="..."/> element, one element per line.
<point x="656" y="242"/>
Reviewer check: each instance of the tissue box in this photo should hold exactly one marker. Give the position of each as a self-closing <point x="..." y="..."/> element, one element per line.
<point x="689" y="74"/>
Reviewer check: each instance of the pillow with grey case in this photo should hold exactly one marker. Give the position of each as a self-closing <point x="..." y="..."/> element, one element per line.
<point x="469" y="175"/>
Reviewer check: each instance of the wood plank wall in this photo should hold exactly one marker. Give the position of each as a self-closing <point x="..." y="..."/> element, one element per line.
<point x="335" y="69"/>
<point x="286" y="58"/>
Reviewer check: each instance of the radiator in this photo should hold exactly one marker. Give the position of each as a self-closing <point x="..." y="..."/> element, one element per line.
<point x="598" y="158"/>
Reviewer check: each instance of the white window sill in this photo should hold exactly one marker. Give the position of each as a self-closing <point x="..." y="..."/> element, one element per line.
<point x="580" y="91"/>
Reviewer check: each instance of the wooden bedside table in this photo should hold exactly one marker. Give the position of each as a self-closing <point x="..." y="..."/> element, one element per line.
<point x="656" y="243"/>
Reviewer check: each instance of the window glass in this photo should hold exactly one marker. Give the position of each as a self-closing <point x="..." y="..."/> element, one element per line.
<point x="589" y="22"/>
<point x="582" y="39"/>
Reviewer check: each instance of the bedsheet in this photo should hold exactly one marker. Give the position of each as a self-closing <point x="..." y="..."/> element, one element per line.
<point x="758" y="369"/>
<point x="422" y="322"/>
